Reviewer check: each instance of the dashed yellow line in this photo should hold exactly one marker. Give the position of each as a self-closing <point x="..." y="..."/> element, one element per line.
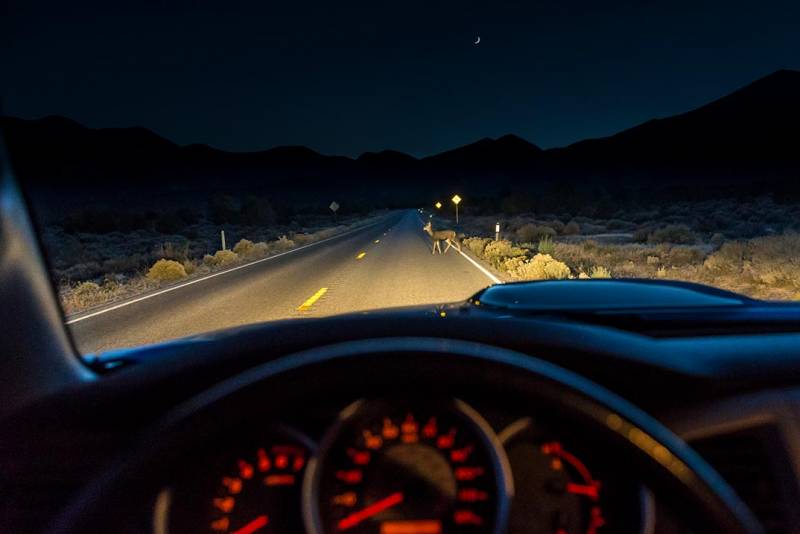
<point x="312" y="299"/>
<point x="361" y="255"/>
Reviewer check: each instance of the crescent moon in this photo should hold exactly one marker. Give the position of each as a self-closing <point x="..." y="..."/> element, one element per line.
<point x="478" y="41"/>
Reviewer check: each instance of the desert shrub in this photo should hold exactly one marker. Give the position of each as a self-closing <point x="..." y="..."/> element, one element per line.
<point x="619" y="225"/>
<point x="661" y="272"/>
<point x="598" y="271"/>
<point x="166" y="271"/>
<point x="717" y="239"/>
<point x="303" y="239"/>
<point x="572" y="228"/>
<point x="728" y="259"/>
<point x="244" y="247"/>
<point x="260" y="250"/>
<point x="641" y="234"/>
<point x="189" y="266"/>
<point x="546" y="246"/>
<point x="220" y="258"/>
<point x="679" y="256"/>
<point x="527" y="233"/>
<point x="556" y="225"/>
<point x="496" y="252"/>
<point x="257" y="211"/>
<point x="86" y="290"/>
<point x="81" y="296"/>
<point x="775" y="260"/>
<point x="511" y="265"/>
<point x="281" y="244"/>
<point x="172" y="251"/>
<point x="541" y="267"/>
<point x="653" y="260"/>
<point x="678" y="234"/>
<point x="476" y="244"/>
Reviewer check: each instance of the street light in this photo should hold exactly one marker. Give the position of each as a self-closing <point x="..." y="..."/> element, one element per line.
<point x="456" y="200"/>
<point x="438" y="205"/>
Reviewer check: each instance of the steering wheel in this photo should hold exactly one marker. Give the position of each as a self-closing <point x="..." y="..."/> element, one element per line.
<point x="425" y="368"/>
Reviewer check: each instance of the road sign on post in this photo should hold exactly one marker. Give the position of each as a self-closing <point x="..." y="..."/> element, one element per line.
<point x="456" y="200"/>
<point x="438" y="205"/>
<point x="334" y="206"/>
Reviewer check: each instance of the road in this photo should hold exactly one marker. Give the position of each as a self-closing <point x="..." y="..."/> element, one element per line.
<point x="385" y="265"/>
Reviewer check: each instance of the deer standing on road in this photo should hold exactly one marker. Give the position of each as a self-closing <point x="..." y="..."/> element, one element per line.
<point x="442" y="235"/>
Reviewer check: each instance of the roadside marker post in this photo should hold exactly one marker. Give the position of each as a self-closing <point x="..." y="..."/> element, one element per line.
<point x="222" y="235"/>
<point x="497" y="231"/>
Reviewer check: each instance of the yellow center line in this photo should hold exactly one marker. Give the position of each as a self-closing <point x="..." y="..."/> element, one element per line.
<point x="312" y="299"/>
<point x="361" y="255"/>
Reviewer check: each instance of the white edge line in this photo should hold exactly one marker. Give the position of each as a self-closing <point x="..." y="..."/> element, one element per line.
<point x="213" y="275"/>
<point x="480" y="267"/>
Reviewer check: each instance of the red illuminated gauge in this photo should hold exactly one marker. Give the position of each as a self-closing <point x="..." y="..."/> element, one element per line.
<point x="249" y="490"/>
<point x="556" y="492"/>
<point x="392" y="468"/>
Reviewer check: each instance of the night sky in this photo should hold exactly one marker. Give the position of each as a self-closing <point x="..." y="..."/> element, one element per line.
<point x="347" y="77"/>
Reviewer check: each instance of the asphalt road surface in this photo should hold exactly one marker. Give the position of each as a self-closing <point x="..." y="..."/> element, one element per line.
<point x="384" y="265"/>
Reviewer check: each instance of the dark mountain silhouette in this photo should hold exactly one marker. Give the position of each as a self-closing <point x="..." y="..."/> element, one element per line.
<point x="507" y="152"/>
<point x="752" y="129"/>
<point x="742" y="140"/>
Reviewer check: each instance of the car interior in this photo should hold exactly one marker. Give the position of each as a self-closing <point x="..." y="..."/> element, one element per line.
<point x="562" y="407"/>
<point x="510" y="267"/>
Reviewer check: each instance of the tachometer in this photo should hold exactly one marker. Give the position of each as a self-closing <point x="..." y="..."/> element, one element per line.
<point x="398" y="468"/>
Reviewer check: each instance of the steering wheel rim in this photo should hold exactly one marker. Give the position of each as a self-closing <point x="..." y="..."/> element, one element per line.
<point x="395" y="362"/>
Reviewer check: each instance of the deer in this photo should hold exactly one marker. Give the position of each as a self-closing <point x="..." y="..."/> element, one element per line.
<point x="442" y="235"/>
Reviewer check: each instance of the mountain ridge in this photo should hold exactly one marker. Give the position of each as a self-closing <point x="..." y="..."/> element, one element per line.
<point x="747" y="135"/>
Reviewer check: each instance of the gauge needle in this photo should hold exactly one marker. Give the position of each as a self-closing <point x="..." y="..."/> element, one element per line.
<point x="254" y="525"/>
<point x="371" y="510"/>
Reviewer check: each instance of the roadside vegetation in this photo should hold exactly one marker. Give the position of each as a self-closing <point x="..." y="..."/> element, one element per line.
<point x="751" y="247"/>
<point x="99" y="257"/>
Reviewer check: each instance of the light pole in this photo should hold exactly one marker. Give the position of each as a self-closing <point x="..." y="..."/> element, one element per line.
<point x="456" y="200"/>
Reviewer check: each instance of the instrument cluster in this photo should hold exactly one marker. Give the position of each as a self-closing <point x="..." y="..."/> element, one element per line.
<point x="389" y="466"/>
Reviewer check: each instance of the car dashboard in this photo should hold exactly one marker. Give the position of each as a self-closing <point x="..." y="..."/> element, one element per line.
<point x="397" y="466"/>
<point x="473" y="462"/>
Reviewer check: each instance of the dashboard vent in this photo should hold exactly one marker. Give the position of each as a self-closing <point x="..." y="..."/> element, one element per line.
<point x="756" y="464"/>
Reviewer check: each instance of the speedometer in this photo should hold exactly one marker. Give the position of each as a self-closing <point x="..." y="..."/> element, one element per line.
<point x="398" y="468"/>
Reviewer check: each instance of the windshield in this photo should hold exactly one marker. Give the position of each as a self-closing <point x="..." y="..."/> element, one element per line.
<point x="196" y="166"/>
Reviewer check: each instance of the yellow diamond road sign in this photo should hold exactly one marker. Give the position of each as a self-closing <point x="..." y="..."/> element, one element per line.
<point x="456" y="199"/>
<point x="438" y="205"/>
